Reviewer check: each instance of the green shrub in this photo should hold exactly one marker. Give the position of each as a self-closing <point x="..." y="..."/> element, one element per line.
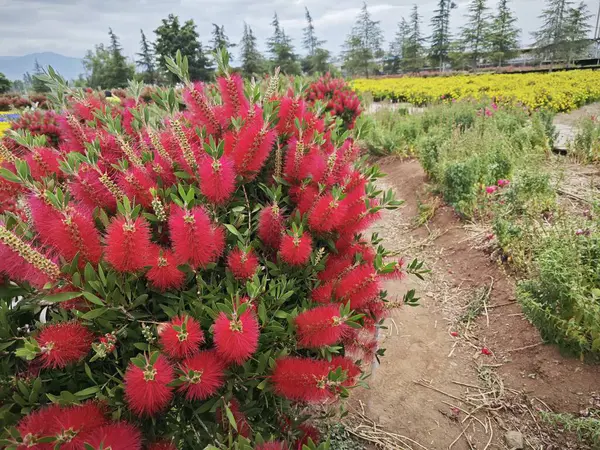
<point x="586" y="145"/>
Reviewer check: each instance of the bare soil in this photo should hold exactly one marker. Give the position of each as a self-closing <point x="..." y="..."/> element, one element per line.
<point x="435" y="369"/>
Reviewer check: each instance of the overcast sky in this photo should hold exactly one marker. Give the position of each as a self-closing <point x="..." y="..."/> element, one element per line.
<point x="70" y="27"/>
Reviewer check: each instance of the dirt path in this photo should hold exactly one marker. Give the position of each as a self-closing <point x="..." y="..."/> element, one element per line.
<point x="421" y="343"/>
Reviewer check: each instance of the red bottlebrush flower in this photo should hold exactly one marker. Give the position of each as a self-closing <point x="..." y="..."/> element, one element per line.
<point x="164" y="274"/>
<point x="254" y="144"/>
<point x="243" y="264"/>
<point x="89" y="191"/>
<point x="301" y="379"/>
<point x="162" y="446"/>
<point x="307" y="432"/>
<point x="295" y="250"/>
<point x="37" y="425"/>
<point x="307" y="197"/>
<point x="348" y="366"/>
<point x="361" y="345"/>
<point x="45" y="219"/>
<point x="327" y="214"/>
<point x="274" y="445"/>
<point x="217" y="179"/>
<point x="17" y="268"/>
<point x="320" y="326"/>
<point x="43" y="162"/>
<point x="192" y="236"/>
<point x="116" y="436"/>
<point x="181" y="337"/>
<point x="146" y="390"/>
<point x="232" y="92"/>
<point x="77" y="234"/>
<point x="128" y="244"/>
<point x="289" y="109"/>
<point x="64" y="343"/>
<point x="163" y="169"/>
<point x="322" y="294"/>
<point x="218" y="241"/>
<point x="359" y="285"/>
<point x="270" y="226"/>
<point x="236" y="339"/>
<point x="399" y="272"/>
<point x="243" y="426"/>
<point x="204" y="375"/>
<point x="200" y="108"/>
<point x="136" y="183"/>
<point x="72" y="423"/>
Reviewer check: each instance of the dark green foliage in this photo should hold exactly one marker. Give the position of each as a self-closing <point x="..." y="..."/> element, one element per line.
<point x="282" y="50"/>
<point x="363" y="45"/>
<point x="171" y="36"/>
<point x="440" y="36"/>
<point x="38" y="85"/>
<point x="414" y="50"/>
<point x="503" y="34"/>
<point x="146" y="61"/>
<point x="474" y="34"/>
<point x="4" y="83"/>
<point x="251" y="59"/>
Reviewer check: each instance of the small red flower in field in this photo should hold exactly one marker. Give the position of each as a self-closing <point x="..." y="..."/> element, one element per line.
<point x="192" y="236"/>
<point x="486" y="351"/>
<point x="503" y="183"/>
<point x="162" y="446"/>
<point x="164" y="274"/>
<point x="302" y="379"/>
<point x="359" y="285"/>
<point x="236" y="339"/>
<point x="399" y="272"/>
<point x="37" y="425"/>
<point x="128" y="244"/>
<point x="217" y="179"/>
<point x="146" y="390"/>
<point x="491" y="189"/>
<point x="242" y="264"/>
<point x="204" y="375"/>
<point x="181" y="337"/>
<point x="320" y="326"/>
<point x="322" y="294"/>
<point x="274" y="445"/>
<point x="72" y="423"/>
<point x="454" y="333"/>
<point x="136" y="183"/>
<point x="89" y="191"/>
<point x="232" y="93"/>
<point x="64" y="343"/>
<point x="327" y="214"/>
<point x="243" y="426"/>
<point x="270" y="226"/>
<point x="253" y="146"/>
<point x="295" y="249"/>
<point x="116" y="436"/>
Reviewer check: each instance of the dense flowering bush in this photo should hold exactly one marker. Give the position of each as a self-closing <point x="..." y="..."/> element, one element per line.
<point x="179" y="280"/>
<point x="340" y="100"/>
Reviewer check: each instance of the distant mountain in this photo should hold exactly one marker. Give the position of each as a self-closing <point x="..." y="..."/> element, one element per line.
<point x="14" y="67"/>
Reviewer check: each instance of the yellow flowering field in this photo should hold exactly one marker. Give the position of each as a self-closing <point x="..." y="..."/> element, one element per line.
<point x="558" y="91"/>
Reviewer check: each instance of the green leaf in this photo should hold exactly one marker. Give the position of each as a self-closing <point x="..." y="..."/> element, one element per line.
<point x="88" y="391"/>
<point x="62" y="297"/>
<point x="94" y="313"/>
<point x="8" y="175"/>
<point x="230" y="417"/>
<point x="233" y="230"/>
<point x="93" y="299"/>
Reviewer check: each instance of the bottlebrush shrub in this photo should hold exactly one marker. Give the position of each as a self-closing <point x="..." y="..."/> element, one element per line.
<point x="339" y="98"/>
<point x="139" y="309"/>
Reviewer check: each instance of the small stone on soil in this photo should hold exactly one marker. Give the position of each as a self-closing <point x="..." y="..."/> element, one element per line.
<point x="514" y="440"/>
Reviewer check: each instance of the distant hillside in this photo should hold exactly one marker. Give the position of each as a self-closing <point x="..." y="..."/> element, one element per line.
<point x="14" y="67"/>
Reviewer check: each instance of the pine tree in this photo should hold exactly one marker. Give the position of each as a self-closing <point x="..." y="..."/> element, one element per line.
<point x="577" y="31"/>
<point x="251" y="59"/>
<point x="412" y="59"/>
<point x="146" y="60"/>
<point x="170" y="37"/>
<point x="220" y="40"/>
<point x="395" y="54"/>
<point x="120" y="71"/>
<point x="364" y="44"/>
<point x="440" y="36"/>
<point x="476" y="32"/>
<point x="504" y="35"/>
<point x="550" y="39"/>
<point x="317" y="57"/>
<point x="282" y="50"/>
<point x="38" y="85"/>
